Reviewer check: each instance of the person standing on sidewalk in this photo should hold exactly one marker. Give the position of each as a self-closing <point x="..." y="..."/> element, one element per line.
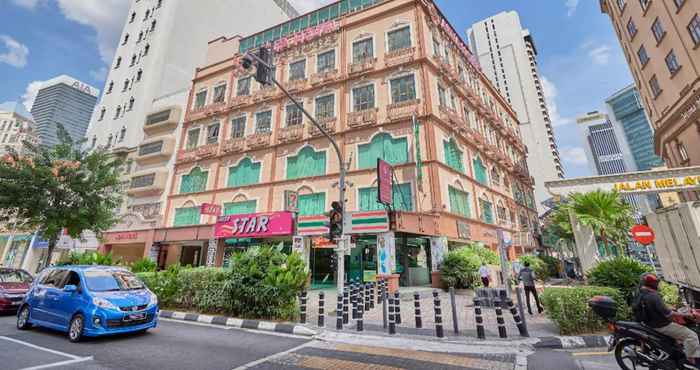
<point x="527" y="276"/>
<point x="485" y="273"/>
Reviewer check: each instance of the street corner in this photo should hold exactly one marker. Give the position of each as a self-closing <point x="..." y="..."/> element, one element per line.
<point x="232" y="322"/>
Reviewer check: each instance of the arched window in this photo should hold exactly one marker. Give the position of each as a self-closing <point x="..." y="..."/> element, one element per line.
<point x="312" y="204"/>
<point x="502" y="214"/>
<point x="307" y="163"/>
<point x="459" y="202"/>
<point x="453" y="156"/>
<point x="245" y="173"/>
<point x="383" y="146"/>
<point x="240" y="207"/>
<point x="194" y="182"/>
<point x="186" y="216"/>
<point x="495" y="176"/>
<point x="480" y="171"/>
<point x="486" y="210"/>
<point x="402" y="196"/>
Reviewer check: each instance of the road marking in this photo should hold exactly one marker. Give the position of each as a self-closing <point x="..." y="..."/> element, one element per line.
<point x="55" y="352"/>
<point x="61" y="363"/>
<point x="272" y="357"/>
<point x="591" y="353"/>
<point x="255" y="331"/>
<point x="195" y="323"/>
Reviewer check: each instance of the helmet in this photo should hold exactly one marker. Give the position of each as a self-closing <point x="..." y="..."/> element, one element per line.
<point x="650" y="280"/>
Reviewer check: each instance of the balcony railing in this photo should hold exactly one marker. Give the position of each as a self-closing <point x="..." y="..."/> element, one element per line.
<point x="234" y="145"/>
<point x="404" y="109"/>
<point x="328" y="124"/>
<point x="401" y="56"/>
<point x="238" y="101"/>
<point x="259" y="140"/>
<point x="198" y="153"/>
<point x="362" y="66"/>
<point x="450" y="115"/>
<point x="267" y="92"/>
<point x="289" y="134"/>
<point x="324" y="77"/>
<point x="367" y="117"/>
<point x="296" y="85"/>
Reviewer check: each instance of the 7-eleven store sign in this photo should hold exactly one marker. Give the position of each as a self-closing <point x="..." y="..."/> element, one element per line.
<point x="370" y="222"/>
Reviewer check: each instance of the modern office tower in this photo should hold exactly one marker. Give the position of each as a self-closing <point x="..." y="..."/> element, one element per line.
<point x="625" y="111"/>
<point x="660" y="40"/>
<point x="508" y="57"/>
<point x="146" y="90"/>
<point x="16" y="127"/>
<point x="63" y="101"/>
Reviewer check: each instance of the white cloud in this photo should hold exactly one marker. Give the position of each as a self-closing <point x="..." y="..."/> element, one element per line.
<point x="550" y="97"/>
<point x="16" y="53"/>
<point x="30" y="94"/>
<point x="600" y="55"/>
<point x="571" y="7"/>
<point x="99" y="74"/>
<point x="28" y="4"/>
<point x="574" y="155"/>
<point x="303" y="6"/>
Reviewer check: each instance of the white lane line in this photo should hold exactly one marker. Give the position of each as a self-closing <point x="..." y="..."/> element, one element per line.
<point x="195" y="323"/>
<point x="55" y="352"/>
<point x="273" y="356"/>
<point x="277" y="334"/>
<point x="61" y="363"/>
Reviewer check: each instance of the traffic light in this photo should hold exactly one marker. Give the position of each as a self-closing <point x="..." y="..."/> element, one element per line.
<point x="333" y="263"/>
<point x="262" y="73"/>
<point x="335" y="229"/>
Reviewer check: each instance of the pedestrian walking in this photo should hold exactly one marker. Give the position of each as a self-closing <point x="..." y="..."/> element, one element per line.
<point x="485" y="273"/>
<point x="527" y="276"/>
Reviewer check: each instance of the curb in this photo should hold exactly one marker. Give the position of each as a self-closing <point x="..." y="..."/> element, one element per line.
<point x="239" y="323"/>
<point x="570" y="342"/>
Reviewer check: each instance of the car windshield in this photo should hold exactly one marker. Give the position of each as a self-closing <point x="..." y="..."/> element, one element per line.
<point x="107" y="281"/>
<point x="14" y="276"/>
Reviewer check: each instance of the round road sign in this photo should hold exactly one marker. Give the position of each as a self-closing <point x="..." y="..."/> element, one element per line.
<point x="642" y="234"/>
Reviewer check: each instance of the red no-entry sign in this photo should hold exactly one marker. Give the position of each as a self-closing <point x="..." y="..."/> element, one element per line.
<point x="642" y="234"/>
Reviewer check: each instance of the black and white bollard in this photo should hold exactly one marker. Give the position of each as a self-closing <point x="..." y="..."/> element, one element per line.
<point x="416" y="305"/>
<point x="438" y="315"/>
<point x="371" y="295"/>
<point x="321" y="309"/>
<point x="392" y="323"/>
<point x="302" y="307"/>
<point x="339" y="313"/>
<point x="480" y="333"/>
<point x="353" y="300"/>
<point x="380" y="290"/>
<point x="499" y="318"/>
<point x="368" y="297"/>
<point x="397" y="308"/>
<point x="516" y="317"/>
<point x="360" y="312"/>
<point x="346" y="306"/>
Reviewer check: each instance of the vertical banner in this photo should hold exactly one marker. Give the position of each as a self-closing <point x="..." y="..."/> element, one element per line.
<point x="211" y="253"/>
<point x="438" y="250"/>
<point x="386" y="252"/>
<point x="416" y="145"/>
<point x="385" y="177"/>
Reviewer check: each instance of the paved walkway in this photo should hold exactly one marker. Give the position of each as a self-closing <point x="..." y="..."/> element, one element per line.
<point x="538" y="324"/>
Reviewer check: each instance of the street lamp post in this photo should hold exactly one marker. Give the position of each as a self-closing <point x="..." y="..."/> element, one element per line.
<point x="342" y="241"/>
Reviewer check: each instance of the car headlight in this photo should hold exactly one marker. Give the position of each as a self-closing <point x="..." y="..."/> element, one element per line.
<point x="153" y="301"/>
<point x="103" y="303"/>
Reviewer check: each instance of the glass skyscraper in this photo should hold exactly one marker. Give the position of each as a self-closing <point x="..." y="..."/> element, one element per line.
<point x="65" y="101"/>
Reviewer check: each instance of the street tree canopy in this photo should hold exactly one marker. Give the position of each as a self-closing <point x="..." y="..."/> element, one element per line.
<point x="51" y="189"/>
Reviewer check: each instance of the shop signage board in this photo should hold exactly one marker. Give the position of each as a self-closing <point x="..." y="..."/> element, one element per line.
<point x="254" y="225"/>
<point x="210" y="209"/>
<point x="306" y="35"/>
<point x="129" y="235"/>
<point x="464" y="230"/>
<point x="368" y="222"/>
<point x="291" y="201"/>
<point x="312" y="225"/>
<point x="385" y="175"/>
<point x="298" y="244"/>
<point x="642" y="234"/>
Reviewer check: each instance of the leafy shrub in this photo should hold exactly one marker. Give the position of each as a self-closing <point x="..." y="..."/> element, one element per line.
<point x="89" y="258"/>
<point x="460" y="268"/>
<point x="485" y="254"/>
<point x="620" y="272"/>
<point x="669" y="293"/>
<point x="144" y="265"/>
<point x="552" y="264"/>
<point x="568" y="308"/>
<point x="537" y="265"/>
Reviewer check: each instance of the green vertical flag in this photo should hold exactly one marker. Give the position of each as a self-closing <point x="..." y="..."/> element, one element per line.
<point x="416" y="143"/>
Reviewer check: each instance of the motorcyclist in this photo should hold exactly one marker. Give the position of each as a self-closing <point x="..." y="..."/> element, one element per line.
<point x="650" y="309"/>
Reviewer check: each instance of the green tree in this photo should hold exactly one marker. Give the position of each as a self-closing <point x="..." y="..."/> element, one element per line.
<point x="57" y="188"/>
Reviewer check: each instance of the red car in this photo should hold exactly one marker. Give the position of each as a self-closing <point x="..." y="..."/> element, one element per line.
<point x="14" y="284"/>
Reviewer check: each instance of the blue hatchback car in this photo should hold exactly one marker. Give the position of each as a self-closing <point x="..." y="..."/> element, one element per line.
<point x="88" y="301"/>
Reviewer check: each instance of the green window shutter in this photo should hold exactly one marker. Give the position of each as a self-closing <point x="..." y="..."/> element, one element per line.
<point x="245" y="173"/>
<point x="368" y="200"/>
<point x="459" y="202"/>
<point x="312" y="204"/>
<point x="480" y="172"/>
<point x="240" y="208"/>
<point x="486" y="211"/>
<point x="194" y="182"/>
<point x="402" y="197"/>
<point x="186" y="216"/>
<point x="307" y="163"/>
<point x="393" y="151"/>
<point x="453" y="156"/>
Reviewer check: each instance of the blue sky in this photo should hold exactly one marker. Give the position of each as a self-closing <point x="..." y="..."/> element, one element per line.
<point x="580" y="59"/>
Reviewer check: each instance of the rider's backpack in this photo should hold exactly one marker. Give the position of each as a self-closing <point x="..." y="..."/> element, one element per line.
<point x="639" y="309"/>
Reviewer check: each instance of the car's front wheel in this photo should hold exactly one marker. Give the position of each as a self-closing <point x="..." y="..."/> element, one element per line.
<point x="23" y="318"/>
<point x="75" y="330"/>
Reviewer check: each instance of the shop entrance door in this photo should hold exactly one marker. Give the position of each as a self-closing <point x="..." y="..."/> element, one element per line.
<point x="190" y="255"/>
<point x="413" y="260"/>
<point x="322" y="274"/>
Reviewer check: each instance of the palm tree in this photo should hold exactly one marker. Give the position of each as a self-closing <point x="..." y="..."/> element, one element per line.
<point x="605" y="212"/>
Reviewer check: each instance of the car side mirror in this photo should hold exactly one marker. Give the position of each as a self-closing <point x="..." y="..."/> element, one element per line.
<point x="70" y="288"/>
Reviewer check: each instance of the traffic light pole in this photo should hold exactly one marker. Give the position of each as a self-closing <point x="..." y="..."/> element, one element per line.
<point x="342" y="242"/>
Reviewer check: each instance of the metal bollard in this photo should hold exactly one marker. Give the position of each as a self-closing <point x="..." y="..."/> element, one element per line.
<point x="385" y="320"/>
<point x="516" y="317"/>
<point x="480" y="333"/>
<point x="368" y="297"/>
<point x="346" y="306"/>
<point x="371" y="295"/>
<point x="353" y="300"/>
<point x="381" y="290"/>
<point x="360" y="312"/>
<point x="392" y="323"/>
<point x="416" y="305"/>
<point x="499" y="318"/>
<point x="438" y="315"/>
<point x="302" y="308"/>
<point x="397" y="309"/>
<point x="321" y="309"/>
<point x="339" y="313"/>
<point x="453" y="303"/>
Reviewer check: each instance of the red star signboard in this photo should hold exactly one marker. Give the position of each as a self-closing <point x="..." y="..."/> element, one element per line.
<point x="643" y="234"/>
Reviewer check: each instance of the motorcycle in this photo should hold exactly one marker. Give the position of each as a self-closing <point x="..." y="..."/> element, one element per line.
<point x="637" y="346"/>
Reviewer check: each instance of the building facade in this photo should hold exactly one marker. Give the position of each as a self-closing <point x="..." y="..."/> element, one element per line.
<point x="372" y="75"/>
<point x="16" y="127"/>
<point x="63" y="101"/>
<point x="660" y="40"/>
<point x="626" y="111"/>
<point x="139" y="116"/>
<point x="508" y="56"/>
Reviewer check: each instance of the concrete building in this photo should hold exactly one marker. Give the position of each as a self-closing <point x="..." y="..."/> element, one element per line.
<point x="63" y="101"/>
<point x="146" y="90"/>
<point x="660" y="40"/>
<point x="365" y="70"/>
<point x="625" y="111"/>
<point x="508" y="56"/>
<point x="16" y="127"/>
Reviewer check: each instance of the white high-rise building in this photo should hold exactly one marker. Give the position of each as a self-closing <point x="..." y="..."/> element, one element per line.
<point x="507" y="55"/>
